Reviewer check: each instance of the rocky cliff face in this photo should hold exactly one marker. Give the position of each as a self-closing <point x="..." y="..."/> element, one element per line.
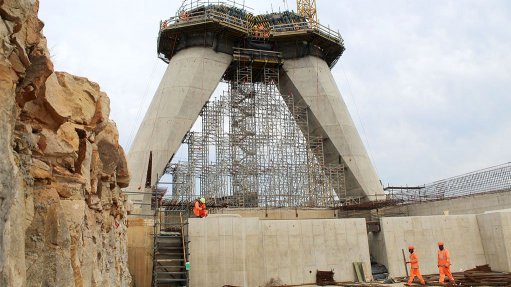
<point x="62" y="213"/>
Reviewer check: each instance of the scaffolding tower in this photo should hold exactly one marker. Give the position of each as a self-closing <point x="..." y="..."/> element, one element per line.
<point x="254" y="148"/>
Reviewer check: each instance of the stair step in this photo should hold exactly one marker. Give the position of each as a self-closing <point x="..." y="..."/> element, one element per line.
<point x="170" y="280"/>
<point x="166" y="268"/>
<point x="171" y="272"/>
<point x="169" y="239"/>
<point x="167" y="247"/>
<point x="169" y="251"/>
<point x="170" y="244"/>
<point x="168" y="236"/>
<point x="164" y="258"/>
<point x="169" y="260"/>
<point x="169" y="256"/>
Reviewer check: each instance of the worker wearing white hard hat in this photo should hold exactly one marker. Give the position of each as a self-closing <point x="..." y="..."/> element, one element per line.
<point x="200" y="208"/>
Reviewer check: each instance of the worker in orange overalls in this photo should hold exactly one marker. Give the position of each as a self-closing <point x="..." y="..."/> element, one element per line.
<point x="414" y="267"/>
<point x="444" y="263"/>
<point x="200" y="208"/>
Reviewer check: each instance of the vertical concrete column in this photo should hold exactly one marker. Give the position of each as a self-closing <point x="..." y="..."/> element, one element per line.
<point x="495" y="230"/>
<point x="190" y="79"/>
<point x="310" y="80"/>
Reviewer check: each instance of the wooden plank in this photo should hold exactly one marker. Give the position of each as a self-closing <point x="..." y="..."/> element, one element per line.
<point x="358" y="271"/>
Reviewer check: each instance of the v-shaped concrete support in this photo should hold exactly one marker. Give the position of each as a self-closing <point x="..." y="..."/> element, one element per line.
<point x="191" y="78"/>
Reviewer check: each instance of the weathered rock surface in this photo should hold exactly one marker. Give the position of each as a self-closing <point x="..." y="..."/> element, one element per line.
<point x="62" y="213"/>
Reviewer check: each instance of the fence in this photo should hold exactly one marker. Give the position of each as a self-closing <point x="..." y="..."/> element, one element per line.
<point x="492" y="179"/>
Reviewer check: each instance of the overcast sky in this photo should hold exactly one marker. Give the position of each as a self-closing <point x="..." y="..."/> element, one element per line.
<point x="428" y="83"/>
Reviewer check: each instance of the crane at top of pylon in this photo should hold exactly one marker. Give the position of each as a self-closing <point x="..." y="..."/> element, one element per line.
<point x="307" y="9"/>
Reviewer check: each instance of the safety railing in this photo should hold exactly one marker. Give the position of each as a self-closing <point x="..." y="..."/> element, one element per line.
<point x="204" y="16"/>
<point x="200" y="12"/>
<point x="282" y="29"/>
<point x="492" y="179"/>
<point x="196" y="4"/>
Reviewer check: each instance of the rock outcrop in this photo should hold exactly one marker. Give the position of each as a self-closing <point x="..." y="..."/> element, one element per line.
<point x="62" y="212"/>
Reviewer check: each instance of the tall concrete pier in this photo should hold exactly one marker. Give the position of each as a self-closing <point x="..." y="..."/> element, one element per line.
<point x="310" y="79"/>
<point x="191" y="77"/>
<point x="204" y="44"/>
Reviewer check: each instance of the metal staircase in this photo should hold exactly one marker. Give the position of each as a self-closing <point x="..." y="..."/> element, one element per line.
<point x="170" y="250"/>
<point x="169" y="264"/>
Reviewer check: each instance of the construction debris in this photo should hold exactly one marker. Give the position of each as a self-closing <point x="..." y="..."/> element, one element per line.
<point x="325" y="278"/>
<point x="379" y="271"/>
<point x="479" y="276"/>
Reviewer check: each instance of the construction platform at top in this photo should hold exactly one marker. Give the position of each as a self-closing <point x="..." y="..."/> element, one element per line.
<point x="226" y="25"/>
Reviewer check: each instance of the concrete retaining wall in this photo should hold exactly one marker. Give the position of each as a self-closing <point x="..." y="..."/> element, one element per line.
<point x="140" y="249"/>
<point x="460" y="234"/>
<point x="464" y="205"/>
<point x="495" y="230"/>
<point x="241" y="251"/>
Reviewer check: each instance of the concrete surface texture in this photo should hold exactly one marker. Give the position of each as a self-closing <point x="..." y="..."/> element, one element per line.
<point x="460" y="234"/>
<point x="140" y="250"/>
<point x="474" y="204"/>
<point x="312" y="82"/>
<point x="241" y="251"/>
<point x="495" y="229"/>
<point x="191" y="77"/>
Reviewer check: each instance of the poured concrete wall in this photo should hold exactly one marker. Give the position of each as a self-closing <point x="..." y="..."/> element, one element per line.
<point x="240" y="251"/>
<point x="495" y="230"/>
<point x="474" y="204"/>
<point x="460" y="234"/>
<point x="140" y="250"/>
<point x="191" y="77"/>
<point x="310" y="80"/>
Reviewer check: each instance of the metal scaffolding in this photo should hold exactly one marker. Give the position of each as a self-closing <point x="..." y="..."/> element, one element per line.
<point x="254" y="148"/>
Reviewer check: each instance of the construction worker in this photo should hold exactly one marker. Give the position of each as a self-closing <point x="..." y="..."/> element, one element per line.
<point x="414" y="267"/>
<point x="200" y="208"/>
<point x="444" y="263"/>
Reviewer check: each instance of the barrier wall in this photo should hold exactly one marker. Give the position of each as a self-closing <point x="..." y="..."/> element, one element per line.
<point x="474" y="204"/>
<point x="460" y="234"/>
<point x="140" y="250"/>
<point x="471" y="239"/>
<point x="495" y="229"/>
<point x="241" y="251"/>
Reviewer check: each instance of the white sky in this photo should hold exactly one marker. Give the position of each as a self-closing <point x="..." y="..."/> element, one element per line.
<point x="427" y="82"/>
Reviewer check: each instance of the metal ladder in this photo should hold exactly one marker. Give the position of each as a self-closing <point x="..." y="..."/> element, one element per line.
<point x="170" y="248"/>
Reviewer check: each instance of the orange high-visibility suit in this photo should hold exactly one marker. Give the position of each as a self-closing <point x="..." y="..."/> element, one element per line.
<point x="444" y="265"/>
<point x="414" y="269"/>
<point x="200" y="209"/>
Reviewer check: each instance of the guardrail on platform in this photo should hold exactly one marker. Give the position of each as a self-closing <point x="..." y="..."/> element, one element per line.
<point x="194" y="4"/>
<point x="205" y="16"/>
<point x="212" y="11"/>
